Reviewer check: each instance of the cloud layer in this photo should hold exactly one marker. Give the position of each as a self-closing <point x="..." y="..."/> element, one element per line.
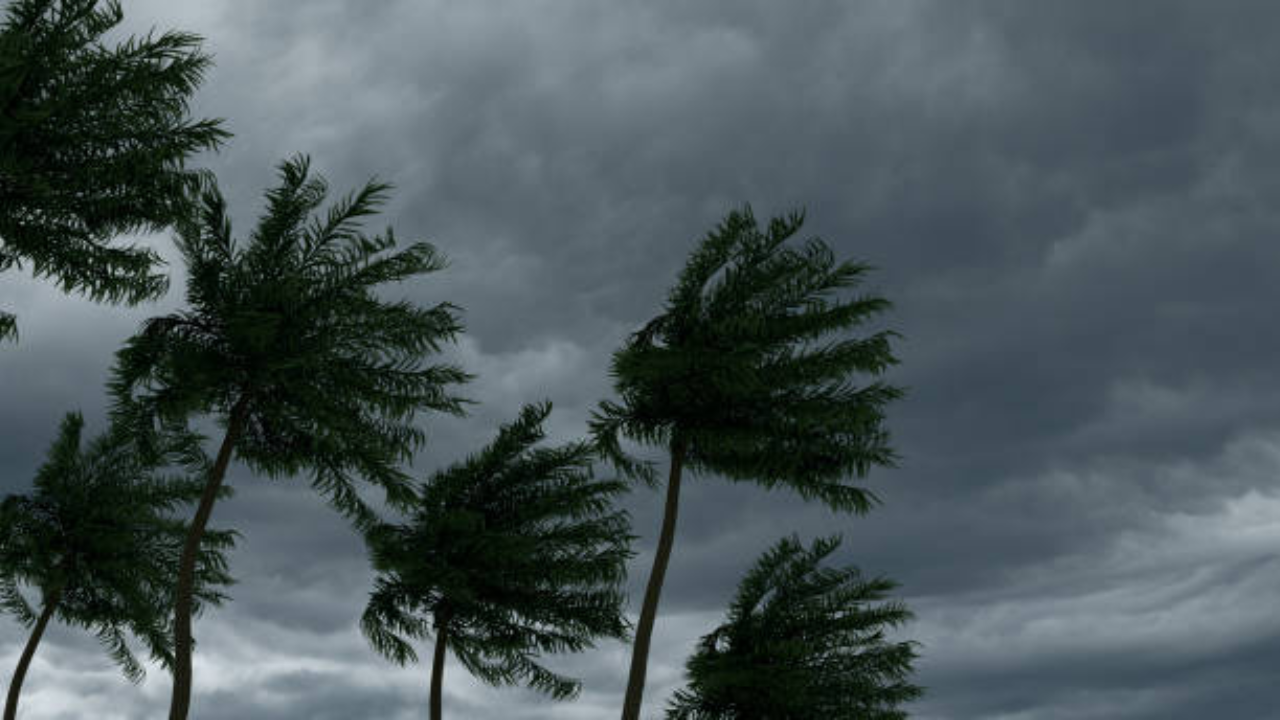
<point x="1071" y="206"/>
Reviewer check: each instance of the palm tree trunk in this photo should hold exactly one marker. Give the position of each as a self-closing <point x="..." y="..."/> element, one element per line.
<point x="437" y="671"/>
<point x="180" y="704"/>
<point x="20" y="673"/>
<point x="640" y="649"/>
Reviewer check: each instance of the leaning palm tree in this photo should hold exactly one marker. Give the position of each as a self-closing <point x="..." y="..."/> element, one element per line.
<point x="512" y="553"/>
<point x="802" y="641"/>
<point x="97" y="539"/>
<point x="290" y="345"/>
<point x="94" y="141"/>
<point x="729" y="379"/>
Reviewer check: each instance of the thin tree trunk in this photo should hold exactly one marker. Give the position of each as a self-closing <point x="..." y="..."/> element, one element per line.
<point x="437" y="671"/>
<point x="181" y="701"/>
<point x="20" y="673"/>
<point x="640" y="649"/>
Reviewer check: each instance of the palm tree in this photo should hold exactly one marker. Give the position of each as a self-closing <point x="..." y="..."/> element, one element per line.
<point x="512" y="553"/>
<point x="730" y="380"/>
<point x="801" y="641"/>
<point x="287" y="343"/>
<point x="93" y="143"/>
<point x="97" y="539"/>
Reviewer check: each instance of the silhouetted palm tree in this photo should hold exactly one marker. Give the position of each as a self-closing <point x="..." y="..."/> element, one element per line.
<point x="801" y="641"/>
<point x="730" y="379"/>
<point x="289" y="344"/>
<point x="98" y="541"/>
<point x="93" y="143"/>
<point x="512" y="553"/>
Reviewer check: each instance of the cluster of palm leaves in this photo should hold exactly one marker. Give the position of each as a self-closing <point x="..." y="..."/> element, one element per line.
<point x="98" y="538"/>
<point x="512" y="553"/>
<point x="287" y="341"/>
<point x="93" y="143"/>
<point x="734" y="379"/>
<point x="802" y="641"/>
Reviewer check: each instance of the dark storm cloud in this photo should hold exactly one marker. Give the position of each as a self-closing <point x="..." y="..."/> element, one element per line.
<point x="1071" y="206"/>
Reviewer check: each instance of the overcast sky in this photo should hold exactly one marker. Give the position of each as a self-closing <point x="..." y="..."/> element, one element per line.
<point x="1073" y="207"/>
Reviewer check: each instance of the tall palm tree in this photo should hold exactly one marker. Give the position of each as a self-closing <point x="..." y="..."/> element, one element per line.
<point x="802" y="641"/>
<point x="288" y="342"/>
<point x="730" y="379"/>
<point x="93" y="143"/>
<point x="97" y="539"/>
<point x="512" y="553"/>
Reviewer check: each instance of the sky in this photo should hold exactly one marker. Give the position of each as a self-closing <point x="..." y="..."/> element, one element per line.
<point x="1072" y="207"/>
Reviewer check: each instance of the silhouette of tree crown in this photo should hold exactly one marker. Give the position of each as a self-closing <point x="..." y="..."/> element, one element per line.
<point x="517" y="550"/>
<point x="94" y="142"/>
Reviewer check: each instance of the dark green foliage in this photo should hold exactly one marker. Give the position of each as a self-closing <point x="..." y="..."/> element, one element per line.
<point x="98" y="533"/>
<point x="735" y="378"/>
<point x="289" y="343"/>
<point x="93" y="143"/>
<point x="291" y="325"/>
<point x="732" y="368"/>
<point x="801" y="642"/>
<point x="515" y="552"/>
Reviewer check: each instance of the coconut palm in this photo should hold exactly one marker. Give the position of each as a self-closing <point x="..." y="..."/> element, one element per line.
<point x="512" y="553"/>
<point x="97" y="539"/>
<point x="802" y="641"/>
<point x="93" y="143"/>
<point x="730" y="380"/>
<point x="289" y="344"/>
